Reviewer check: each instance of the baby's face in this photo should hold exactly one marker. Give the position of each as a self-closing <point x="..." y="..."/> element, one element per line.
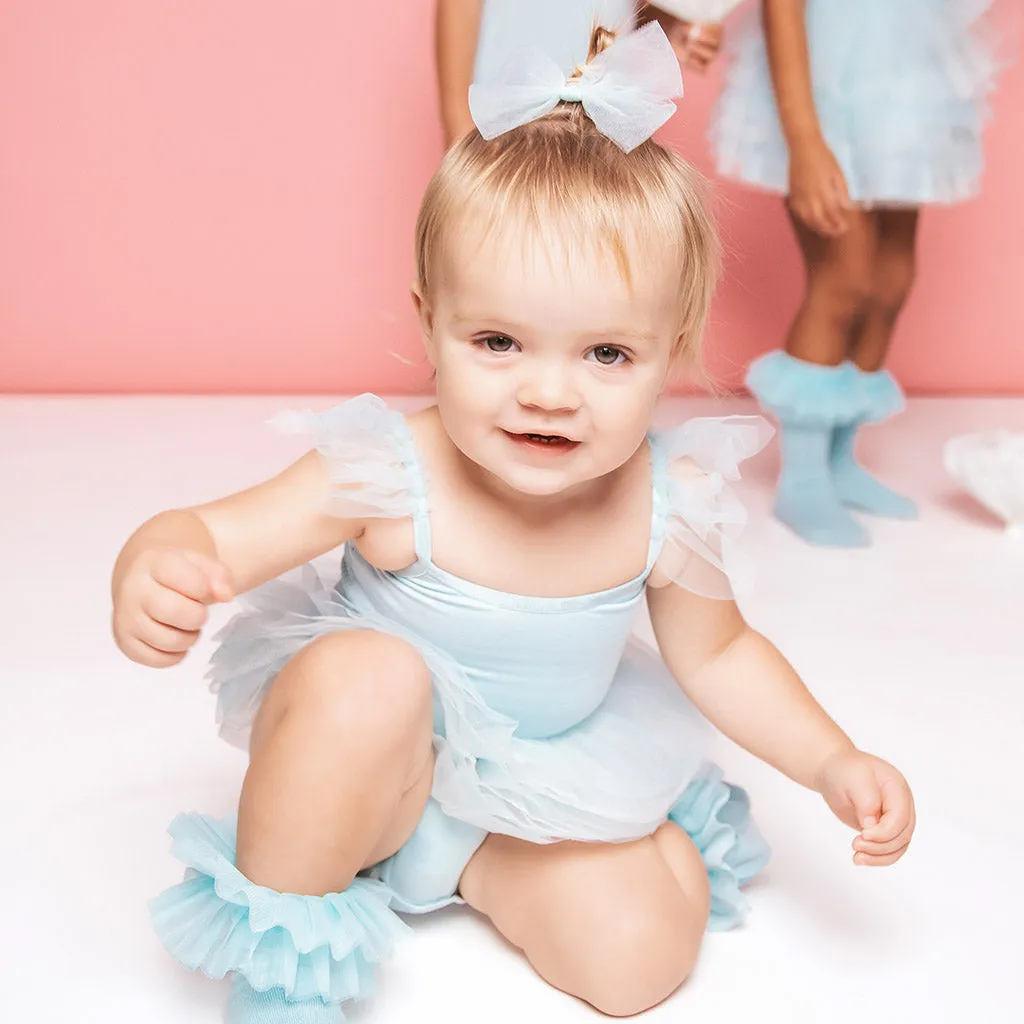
<point x="548" y="365"/>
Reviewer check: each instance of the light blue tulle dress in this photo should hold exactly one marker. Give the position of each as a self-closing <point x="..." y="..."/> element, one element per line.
<point x="551" y="721"/>
<point x="561" y="29"/>
<point x="901" y="89"/>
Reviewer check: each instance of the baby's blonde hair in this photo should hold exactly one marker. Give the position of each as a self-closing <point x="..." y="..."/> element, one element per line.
<point x="559" y="173"/>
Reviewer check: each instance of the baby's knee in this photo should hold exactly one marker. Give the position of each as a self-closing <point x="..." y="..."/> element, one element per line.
<point x="360" y="676"/>
<point x="639" y="965"/>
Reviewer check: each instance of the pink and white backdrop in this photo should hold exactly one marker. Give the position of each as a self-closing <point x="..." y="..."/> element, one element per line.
<point x="219" y="198"/>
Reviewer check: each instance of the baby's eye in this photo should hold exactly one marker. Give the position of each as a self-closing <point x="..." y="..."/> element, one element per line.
<point x="498" y="343"/>
<point x="609" y="355"/>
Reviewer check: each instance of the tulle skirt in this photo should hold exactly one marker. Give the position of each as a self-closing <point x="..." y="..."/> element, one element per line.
<point x="636" y="762"/>
<point x="901" y="88"/>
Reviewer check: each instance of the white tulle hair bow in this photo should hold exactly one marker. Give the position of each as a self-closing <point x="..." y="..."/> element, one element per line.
<point x="627" y="90"/>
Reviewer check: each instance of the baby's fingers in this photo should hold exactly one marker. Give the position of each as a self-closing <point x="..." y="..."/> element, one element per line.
<point x="166" y="639"/>
<point x="170" y="608"/>
<point x="141" y="652"/>
<point x="881" y="849"/>
<point x="869" y="860"/>
<point x="897" y="813"/>
<point x="193" y="575"/>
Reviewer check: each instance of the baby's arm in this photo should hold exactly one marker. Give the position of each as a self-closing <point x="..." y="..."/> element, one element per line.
<point x="182" y="560"/>
<point x="457" y="30"/>
<point x="746" y="688"/>
<point x="742" y="683"/>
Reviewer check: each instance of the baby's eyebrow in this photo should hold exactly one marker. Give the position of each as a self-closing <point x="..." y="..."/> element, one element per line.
<point x="492" y="321"/>
<point x="621" y="333"/>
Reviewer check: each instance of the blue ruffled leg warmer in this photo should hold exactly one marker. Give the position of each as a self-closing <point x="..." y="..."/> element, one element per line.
<point x="293" y="959"/>
<point x="856" y="487"/>
<point x="716" y="816"/>
<point x="810" y="401"/>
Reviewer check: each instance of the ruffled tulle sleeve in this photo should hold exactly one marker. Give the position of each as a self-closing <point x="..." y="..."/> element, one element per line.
<point x="703" y="518"/>
<point x="370" y="456"/>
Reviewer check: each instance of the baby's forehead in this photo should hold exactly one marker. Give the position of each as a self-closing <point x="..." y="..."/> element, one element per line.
<point x="504" y="257"/>
<point x="555" y="293"/>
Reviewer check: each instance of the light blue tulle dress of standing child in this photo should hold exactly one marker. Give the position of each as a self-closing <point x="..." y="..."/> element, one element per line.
<point x="460" y="713"/>
<point x="859" y="112"/>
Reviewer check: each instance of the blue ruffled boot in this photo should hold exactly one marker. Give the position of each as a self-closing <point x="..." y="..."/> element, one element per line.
<point x="293" y="959"/>
<point x="810" y="401"/>
<point x="857" y="488"/>
<point x="716" y="816"/>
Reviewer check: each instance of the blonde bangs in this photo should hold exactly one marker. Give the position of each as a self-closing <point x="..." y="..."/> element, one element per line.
<point x="558" y="182"/>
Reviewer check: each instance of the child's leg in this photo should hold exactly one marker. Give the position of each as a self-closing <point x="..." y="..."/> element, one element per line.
<point x="838" y="292"/>
<point x="892" y="280"/>
<point x="617" y="925"/>
<point x="341" y="769"/>
<point x="810" y="388"/>
<point x="341" y="764"/>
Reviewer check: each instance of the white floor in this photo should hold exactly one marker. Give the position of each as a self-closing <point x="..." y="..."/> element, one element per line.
<point x="914" y="645"/>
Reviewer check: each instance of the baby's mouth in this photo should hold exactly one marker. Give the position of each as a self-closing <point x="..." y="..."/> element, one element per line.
<point x="549" y="442"/>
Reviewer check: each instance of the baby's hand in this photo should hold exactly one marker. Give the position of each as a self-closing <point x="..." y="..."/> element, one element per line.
<point x="160" y="603"/>
<point x="871" y="796"/>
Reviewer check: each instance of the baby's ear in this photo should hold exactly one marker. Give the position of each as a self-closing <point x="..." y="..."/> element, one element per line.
<point x="425" y="315"/>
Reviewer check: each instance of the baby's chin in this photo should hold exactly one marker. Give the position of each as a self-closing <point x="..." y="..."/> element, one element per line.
<point x="533" y="483"/>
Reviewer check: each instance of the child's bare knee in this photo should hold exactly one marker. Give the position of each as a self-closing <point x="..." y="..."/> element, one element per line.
<point x="642" y="963"/>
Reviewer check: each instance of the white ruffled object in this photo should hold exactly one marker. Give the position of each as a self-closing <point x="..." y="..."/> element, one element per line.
<point x="990" y="467"/>
<point x="705" y="516"/>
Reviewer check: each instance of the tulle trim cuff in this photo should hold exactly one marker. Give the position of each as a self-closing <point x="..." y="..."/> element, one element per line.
<point x="717" y="818"/>
<point x="217" y="921"/>
<point x="797" y="391"/>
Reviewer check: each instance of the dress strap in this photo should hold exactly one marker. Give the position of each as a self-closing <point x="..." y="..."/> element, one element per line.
<point x="419" y="491"/>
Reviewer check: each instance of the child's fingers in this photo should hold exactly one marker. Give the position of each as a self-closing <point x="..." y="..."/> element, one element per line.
<point x="193" y="575"/>
<point x="168" y="607"/>
<point x="175" y="571"/>
<point x="141" y="652"/>
<point x="167" y="639"/>
<point x="897" y="813"/>
<point x="824" y="223"/>
<point x="220" y="585"/>
<point x="840" y="202"/>
<point x="869" y="861"/>
<point x="876" y="848"/>
<point x="703" y="49"/>
<point x="836" y="220"/>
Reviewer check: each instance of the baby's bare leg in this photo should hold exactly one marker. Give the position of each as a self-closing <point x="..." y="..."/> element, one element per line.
<point x="341" y="764"/>
<point x="618" y="925"/>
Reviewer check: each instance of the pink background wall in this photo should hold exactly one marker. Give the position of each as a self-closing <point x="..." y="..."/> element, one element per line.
<point x="219" y="197"/>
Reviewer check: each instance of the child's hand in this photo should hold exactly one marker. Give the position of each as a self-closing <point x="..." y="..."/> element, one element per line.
<point x="160" y="603"/>
<point x="700" y="45"/>
<point x="871" y="796"/>
<point x="696" y="46"/>
<point x="817" y="189"/>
